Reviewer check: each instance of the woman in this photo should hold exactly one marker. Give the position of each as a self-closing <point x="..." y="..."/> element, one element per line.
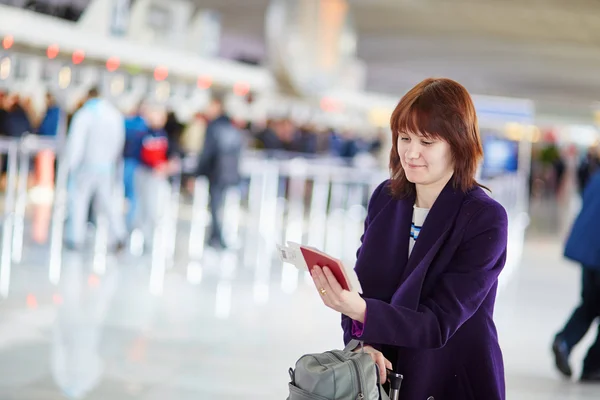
<point x="433" y="247"/>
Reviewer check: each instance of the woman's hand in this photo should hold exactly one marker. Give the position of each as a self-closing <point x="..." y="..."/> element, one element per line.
<point x="382" y="363"/>
<point x="336" y="298"/>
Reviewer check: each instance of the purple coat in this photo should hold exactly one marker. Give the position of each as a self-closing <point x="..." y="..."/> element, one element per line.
<point x="432" y="313"/>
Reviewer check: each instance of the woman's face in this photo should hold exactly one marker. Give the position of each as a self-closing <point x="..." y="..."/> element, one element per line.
<point x="425" y="161"/>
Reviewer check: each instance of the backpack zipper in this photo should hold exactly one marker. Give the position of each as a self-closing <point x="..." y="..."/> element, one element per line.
<point x="356" y="368"/>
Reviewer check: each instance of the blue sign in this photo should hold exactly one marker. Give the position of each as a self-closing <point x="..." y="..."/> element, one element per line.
<point x="500" y="156"/>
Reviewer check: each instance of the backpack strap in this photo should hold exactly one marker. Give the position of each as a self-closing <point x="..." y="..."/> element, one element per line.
<point x="353" y="345"/>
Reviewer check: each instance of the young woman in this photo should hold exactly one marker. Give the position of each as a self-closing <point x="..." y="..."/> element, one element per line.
<point x="433" y="247"/>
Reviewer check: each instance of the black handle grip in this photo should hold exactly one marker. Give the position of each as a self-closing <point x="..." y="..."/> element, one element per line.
<point x="395" y="379"/>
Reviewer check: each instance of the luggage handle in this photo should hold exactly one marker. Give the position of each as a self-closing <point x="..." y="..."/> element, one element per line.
<point x="395" y="380"/>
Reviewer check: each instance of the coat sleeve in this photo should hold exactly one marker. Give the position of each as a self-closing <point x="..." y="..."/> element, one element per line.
<point x="347" y="323"/>
<point x="458" y="294"/>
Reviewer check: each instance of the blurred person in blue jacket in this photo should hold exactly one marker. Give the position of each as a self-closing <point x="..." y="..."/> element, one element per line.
<point x="158" y="158"/>
<point x="93" y="152"/>
<point x="3" y="112"/>
<point x="135" y="129"/>
<point x="17" y="121"/>
<point x="49" y="125"/>
<point x="583" y="246"/>
<point x="220" y="163"/>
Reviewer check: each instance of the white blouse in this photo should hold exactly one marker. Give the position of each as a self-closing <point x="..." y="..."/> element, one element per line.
<point x="418" y="219"/>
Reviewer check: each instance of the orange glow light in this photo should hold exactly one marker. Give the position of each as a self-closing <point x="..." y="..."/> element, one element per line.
<point x="204" y="82"/>
<point x="112" y="64"/>
<point x="8" y="41"/>
<point x="52" y="51"/>
<point x="241" y="89"/>
<point x="161" y="73"/>
<point x="57" y="299"/>
<point x="31" y="301"/>
<point x="330" y="105"/>
<point x="78" y="56"/>
<point x="93" y="281"/>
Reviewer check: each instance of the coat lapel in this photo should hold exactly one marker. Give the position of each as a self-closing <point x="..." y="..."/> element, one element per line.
<point x="404" y="228"/>
<point x="440" y="219"/>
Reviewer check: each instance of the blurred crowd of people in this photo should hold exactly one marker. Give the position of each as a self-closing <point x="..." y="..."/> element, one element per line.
<point x="18" y="116"/>
<point x="148" y="145"/>
<point x="284" y="135"/>
<point x="276" y="135"/>
<point x="150" y="142"/>
<point x="557" y="170"/>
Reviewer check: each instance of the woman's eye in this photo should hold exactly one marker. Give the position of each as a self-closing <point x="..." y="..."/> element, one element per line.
<point x="404" y="139"/>
<point x="426" y="143"/>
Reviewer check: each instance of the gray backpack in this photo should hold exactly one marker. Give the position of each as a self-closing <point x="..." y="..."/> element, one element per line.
<point x="339" y="375"/>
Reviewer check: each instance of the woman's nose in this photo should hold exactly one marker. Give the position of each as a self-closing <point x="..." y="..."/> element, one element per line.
<point x="413" y="153"/>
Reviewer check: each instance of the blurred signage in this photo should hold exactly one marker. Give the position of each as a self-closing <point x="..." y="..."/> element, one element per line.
<point x="160" y="22"/>
<point x="159" y="18"/>
<point x="309" y="42"/>
<point x="208" y="33"/>
<point x="119" y="21"/>
<point x="500" y="156"/>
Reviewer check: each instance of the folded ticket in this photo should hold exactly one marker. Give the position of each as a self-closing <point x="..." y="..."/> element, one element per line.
<point x="292" y="254"/>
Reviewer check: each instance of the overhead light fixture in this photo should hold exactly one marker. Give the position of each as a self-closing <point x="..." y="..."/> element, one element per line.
<point x="112" y="64"/>
<point x="52" y="51"/>
<point x="330" y="105"/>
<point x="241" y="88"/>
<point x="78" y="56"/>
<point x="8" y="42"/>
<point x="204" y="82"/>
<point x="161" y="73"/>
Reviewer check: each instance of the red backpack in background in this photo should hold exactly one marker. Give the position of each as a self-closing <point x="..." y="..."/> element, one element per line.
<point x="154" y="151"/>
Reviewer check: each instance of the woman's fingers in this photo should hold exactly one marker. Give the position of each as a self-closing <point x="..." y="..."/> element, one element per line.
<point x="379" y="359"/>
<point x="322" y="286"/>
<point x="316" y="279"/>
<point x="388" y="364"/>
<point x="333" y="283"/>
<point x="381" y="364"/>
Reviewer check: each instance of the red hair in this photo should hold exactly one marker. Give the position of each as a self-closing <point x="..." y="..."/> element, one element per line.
<point x="439" y="109"/>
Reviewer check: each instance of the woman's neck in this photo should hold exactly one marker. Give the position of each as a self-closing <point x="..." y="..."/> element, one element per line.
<point x="427" y="194"/>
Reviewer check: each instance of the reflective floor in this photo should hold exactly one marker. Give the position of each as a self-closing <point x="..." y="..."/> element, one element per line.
<point x="219" y="330"/>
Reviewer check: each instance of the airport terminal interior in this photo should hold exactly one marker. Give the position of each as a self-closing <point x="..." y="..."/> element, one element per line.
<point x="165" y="281"/>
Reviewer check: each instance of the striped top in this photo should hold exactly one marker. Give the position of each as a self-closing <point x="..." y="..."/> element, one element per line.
<point x="418" y="219"/>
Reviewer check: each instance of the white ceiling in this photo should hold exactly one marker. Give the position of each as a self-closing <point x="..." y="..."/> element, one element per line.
<point x="547" y="50"/>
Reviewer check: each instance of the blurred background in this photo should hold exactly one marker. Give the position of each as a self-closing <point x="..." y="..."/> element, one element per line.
<point x="181" y="307"/>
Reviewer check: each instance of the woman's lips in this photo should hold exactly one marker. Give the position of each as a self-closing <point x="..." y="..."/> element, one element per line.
<point x="414" y="166"/>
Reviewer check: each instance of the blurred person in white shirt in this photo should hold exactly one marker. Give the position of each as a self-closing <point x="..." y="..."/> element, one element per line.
<point x="94" y="152"/>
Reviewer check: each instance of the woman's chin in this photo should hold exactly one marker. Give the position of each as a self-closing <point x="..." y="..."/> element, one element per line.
<point x="414" y="178"/>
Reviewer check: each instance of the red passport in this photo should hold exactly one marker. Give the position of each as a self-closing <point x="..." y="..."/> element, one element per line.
<point x="346" y="279"/>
